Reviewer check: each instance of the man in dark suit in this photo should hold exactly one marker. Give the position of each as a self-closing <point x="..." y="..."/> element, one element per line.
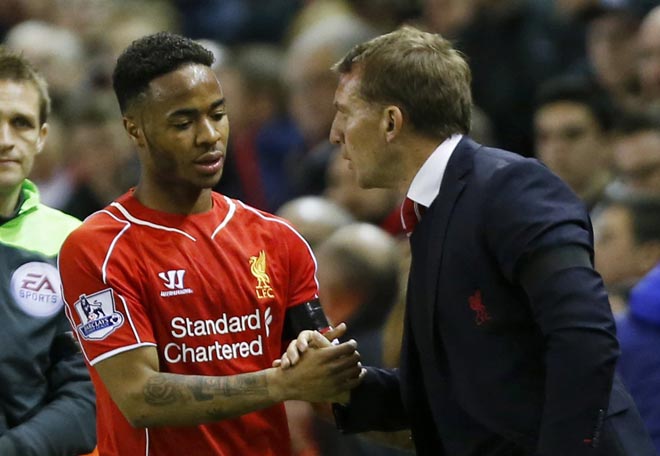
<point x="509" y="346"/>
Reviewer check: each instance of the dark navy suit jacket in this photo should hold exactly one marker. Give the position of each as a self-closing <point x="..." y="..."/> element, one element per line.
<point x="491" y="364"/>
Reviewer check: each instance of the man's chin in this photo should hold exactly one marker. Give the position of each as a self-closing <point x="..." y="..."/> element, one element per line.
<point x="9" y="182"/>
<point x="211" y="181"/>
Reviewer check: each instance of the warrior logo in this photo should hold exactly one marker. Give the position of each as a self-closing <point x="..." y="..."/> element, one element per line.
<point x="173" y="281"/>
<point x="98" y="315"/>
<point x="258" y="270"/>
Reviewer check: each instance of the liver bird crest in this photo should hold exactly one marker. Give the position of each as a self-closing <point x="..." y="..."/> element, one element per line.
<point x="258" y="269"/>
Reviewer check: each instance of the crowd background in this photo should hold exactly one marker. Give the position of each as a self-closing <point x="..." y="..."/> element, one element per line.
<point x="574" y="83"/>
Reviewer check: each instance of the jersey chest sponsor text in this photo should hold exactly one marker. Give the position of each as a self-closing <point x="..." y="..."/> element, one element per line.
<point x="255" y="327"/>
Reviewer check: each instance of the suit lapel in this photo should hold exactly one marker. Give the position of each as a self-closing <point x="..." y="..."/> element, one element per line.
<point x="432" y="234"/>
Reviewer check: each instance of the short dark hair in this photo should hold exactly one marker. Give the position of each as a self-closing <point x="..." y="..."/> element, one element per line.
<point x="150" y="57"/>
<point x="420" y="72"/>
<point x="15" y="67"/>
<point x="644" y="213"/>
<point x="580" y="90"/>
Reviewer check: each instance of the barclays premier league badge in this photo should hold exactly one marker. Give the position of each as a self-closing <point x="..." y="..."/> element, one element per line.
<point x="98" y="315"/>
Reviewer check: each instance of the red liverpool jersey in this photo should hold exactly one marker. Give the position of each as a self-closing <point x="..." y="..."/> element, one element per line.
<point x="208" y="290"/>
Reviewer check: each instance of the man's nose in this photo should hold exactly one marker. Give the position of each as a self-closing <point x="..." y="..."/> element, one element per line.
<point x="6" y="136"/>
<point x="208" y="132"/>
<point x="335" y="134"/>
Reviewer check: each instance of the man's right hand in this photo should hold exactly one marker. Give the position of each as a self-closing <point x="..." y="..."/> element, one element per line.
<point x="306" y="339"/>
<point x="325" y="373"/>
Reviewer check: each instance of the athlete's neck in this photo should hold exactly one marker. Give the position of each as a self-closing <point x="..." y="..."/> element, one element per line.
<point x="174" y="200"/>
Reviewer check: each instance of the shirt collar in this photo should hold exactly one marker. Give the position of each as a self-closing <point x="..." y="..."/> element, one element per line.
<point x="28" y="199"/>
<point x="426" y="184"/>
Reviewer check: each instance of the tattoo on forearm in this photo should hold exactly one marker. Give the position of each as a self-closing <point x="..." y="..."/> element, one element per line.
<point x="204" y="389"/>
<point x="243" y="385"/>
<point x="251" y="384"/>
<point x="161" y="391"/>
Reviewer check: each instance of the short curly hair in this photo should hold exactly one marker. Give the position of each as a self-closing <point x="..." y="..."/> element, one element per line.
<point x="150" y="57"/>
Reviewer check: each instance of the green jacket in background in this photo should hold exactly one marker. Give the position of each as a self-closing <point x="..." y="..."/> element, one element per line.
<point x="47" y="404"/>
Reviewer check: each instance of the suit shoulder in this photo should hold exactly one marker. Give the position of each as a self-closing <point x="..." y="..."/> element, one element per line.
<point x="499" y="158"/>
<point x="490" y="163"/>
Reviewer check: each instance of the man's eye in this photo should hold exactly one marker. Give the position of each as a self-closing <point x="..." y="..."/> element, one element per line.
<point x="182" y="125"/>
<point x="218" y="115"/>
<point x="22" y="122"/>
<point x="574" y="133"/>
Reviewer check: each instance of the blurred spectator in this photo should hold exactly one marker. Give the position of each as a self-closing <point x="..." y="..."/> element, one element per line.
<point x="263" y="136"/>
<point x="448" y="17"/>
<point x="358" y="283"/>
<point x="56" y="51"/>
<point x="481" y="128"/>
<point x="637" y="155"/>
<point x="221" y="53"/>
<point x="512" y="46"/>
<point x="573" y="124"/>
<point x="102" y="160"/>
<point x="108" y="28"/>
<point x="381" y="207"/>
<point x="639" y="364"/>
<point x="11" y="13"/>
<point x="611" y="51"/>
<point x="358" y="271"/>
<point x="314" y="11"/>
<point x="386" y="15"/>
<point x="128" y="21"/>
<point x="649" y="60"/>
<point x="311" y="86"/>
<point x="585" y="8"/>
<point x="627" y="244"/>
<point x="52" y="172"/>
<point x="393" y="326"/>
<point x="315" y="218"/>
<point x="237" y="21"/>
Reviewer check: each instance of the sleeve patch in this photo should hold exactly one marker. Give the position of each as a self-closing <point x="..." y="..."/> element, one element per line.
<point x="98" y="315"/>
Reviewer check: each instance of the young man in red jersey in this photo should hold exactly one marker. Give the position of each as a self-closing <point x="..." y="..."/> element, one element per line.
<point x="181" y="297"/>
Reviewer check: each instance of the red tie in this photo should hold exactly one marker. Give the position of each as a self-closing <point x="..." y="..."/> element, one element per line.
<point x="411" y="214"/>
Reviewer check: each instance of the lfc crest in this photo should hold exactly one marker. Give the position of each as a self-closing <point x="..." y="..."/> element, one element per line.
<point x="258" y="270"/>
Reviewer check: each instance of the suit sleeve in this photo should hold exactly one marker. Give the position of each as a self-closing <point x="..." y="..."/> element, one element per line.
<point x="67" y="424"/>
<point x="531" y="215"/>
<point x="375" y="404"/>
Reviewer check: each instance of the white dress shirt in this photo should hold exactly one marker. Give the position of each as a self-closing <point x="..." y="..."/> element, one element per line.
<point x="426" y="184"/>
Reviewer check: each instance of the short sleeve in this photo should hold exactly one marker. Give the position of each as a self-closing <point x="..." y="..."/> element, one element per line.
<point x="303" y="284"/>
<point x="101" y="289"/>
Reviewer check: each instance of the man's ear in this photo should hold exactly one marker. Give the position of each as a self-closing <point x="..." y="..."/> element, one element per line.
<point x="393" y="120"/>
<point x="41" y="140"/>
<point x="134" y="131"/>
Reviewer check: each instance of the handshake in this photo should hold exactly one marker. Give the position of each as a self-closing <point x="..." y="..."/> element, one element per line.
<point x="317" y="368"/>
